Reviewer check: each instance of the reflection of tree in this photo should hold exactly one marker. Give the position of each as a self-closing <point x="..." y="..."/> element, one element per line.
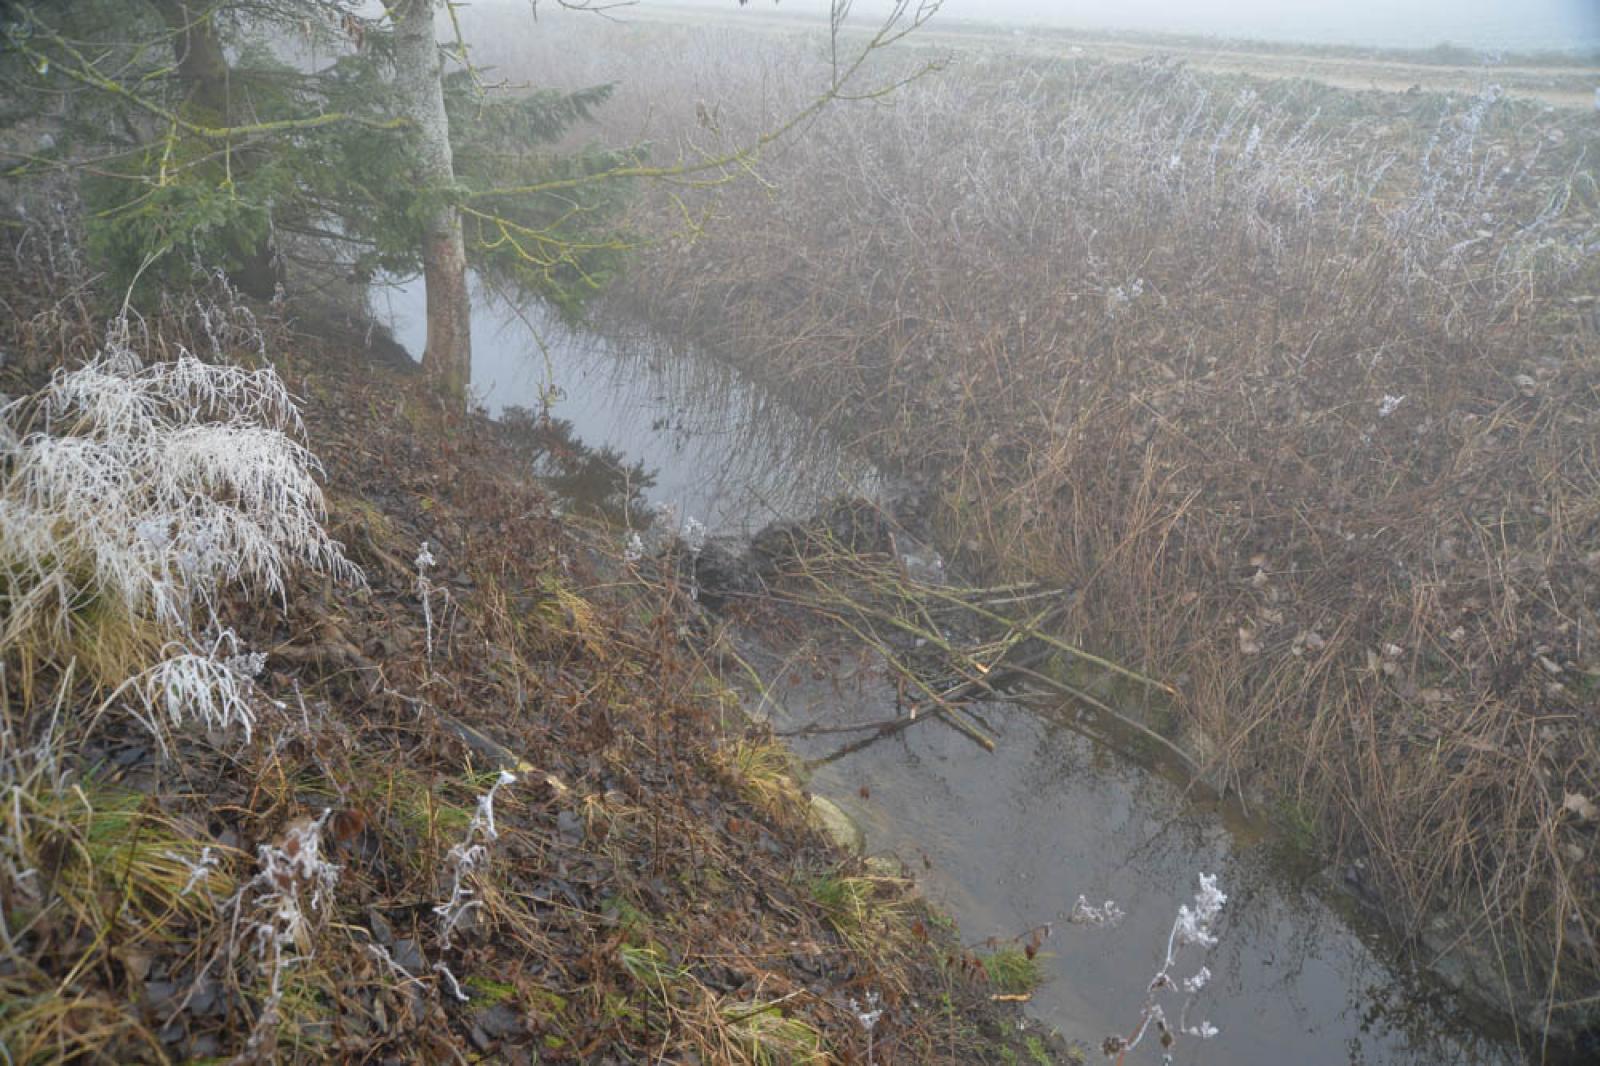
<point x="756" y="457"/>
<point x="599" y="480"/>
<point x="734" y="455"/>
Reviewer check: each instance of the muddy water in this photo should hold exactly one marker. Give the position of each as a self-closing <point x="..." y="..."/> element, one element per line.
<point x="1004" y="841"/>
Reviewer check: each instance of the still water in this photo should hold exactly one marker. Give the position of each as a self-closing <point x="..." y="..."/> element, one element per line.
<point x="1005" y="841"/>
<point x="715" y="448"/>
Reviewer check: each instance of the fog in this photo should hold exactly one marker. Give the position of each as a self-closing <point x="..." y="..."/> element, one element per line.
<point x="1486" y="24"/>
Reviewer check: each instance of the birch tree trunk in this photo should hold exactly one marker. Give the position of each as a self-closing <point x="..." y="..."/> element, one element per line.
<point x="447" y="358"/>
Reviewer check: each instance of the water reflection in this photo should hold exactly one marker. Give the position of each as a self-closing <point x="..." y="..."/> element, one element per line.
<point x="1009" y="840"/>
<point x="599" y="480"/>
<point x="670" y="428"/>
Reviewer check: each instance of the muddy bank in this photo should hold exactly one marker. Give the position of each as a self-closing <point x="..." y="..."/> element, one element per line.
<point x="514" y="816"/>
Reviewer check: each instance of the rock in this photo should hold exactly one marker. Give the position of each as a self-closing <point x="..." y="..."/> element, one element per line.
<point x="160" y="995"/>
<point x="858" y="524"/>
<point x="722" y="573"/>
<point x="848" y="522"/>
<point x="382" y="932"/>
<point x="205" y="1046"/>
<point x="205" y="998"/>
<point x="839" y="826"/>
<point x="498" y="1022"/>
<point x="776" y="543"/>
<point x="571" y="827"/>
<point x="408" y="956"/>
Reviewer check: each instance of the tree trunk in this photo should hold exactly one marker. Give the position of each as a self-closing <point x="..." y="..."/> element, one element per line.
<point x="202" y="65"/>
<point x="208" y="101"/>
<point x="447" y="358"/>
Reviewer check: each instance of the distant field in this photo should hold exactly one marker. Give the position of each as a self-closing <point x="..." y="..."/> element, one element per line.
<point x="1555" y="79"/>
<point x="1562" y="86"/>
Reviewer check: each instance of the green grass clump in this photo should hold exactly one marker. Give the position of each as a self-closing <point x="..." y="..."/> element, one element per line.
<point x="1011" y="971"/>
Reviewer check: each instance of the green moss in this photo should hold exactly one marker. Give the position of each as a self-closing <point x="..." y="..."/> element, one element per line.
<point x="770" y="1037"/>
<point x="1038" y="1053"/>
<point x="1296" y="841"/>
<point x="487" y="992"/>
<point x="630" y="920"/>
<point x="1011" y="971"/>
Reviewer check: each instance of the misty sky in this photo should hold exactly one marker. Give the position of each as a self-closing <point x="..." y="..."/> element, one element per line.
<point x="1511" y="24"/>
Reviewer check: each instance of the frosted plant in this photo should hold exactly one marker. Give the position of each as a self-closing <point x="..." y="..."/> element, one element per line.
<point x="455" y="986"/>
<point x="867" y="1017"/>
<point x="289" y="871"/>
<point x="466" y="857"/>
<point x="216" y="310"/>
<point x="1121" y="296"/>
<point x="293" y="882"/>
<point x="200" y="870"/>
<point x="633" y="551"/>
<point x="694" y="538"/>
<point x="1192" y="928"/>
<point x="213" y="687"/>
<point x="424" y="561"/>
<point x="694" y="535"/>
<point x="1107" y="915"/>
<point x="152" y="487"/>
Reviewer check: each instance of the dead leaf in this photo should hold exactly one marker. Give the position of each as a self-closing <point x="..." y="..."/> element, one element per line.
<point x="1582" y="806"/>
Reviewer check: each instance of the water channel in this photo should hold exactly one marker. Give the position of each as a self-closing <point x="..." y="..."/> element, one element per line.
<point x="1003" y="841"/>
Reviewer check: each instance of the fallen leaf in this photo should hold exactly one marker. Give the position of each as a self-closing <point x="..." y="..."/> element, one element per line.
<point x="1582" y="806"/>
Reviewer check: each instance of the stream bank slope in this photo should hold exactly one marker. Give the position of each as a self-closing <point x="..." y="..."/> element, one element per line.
<point x="650" y="887"/>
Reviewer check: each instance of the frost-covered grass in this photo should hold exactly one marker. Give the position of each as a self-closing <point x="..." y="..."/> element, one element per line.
<point x="212" y="687"/>
<point x="155" y="486"/>
<point x="131" y="497"/>
<point x="134" y="497"/>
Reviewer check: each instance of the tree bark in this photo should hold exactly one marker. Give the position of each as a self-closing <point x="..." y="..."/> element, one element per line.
<point x="447" y="358"/>
<point x="208" y="100"/>
<point x="202" y="64"/>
